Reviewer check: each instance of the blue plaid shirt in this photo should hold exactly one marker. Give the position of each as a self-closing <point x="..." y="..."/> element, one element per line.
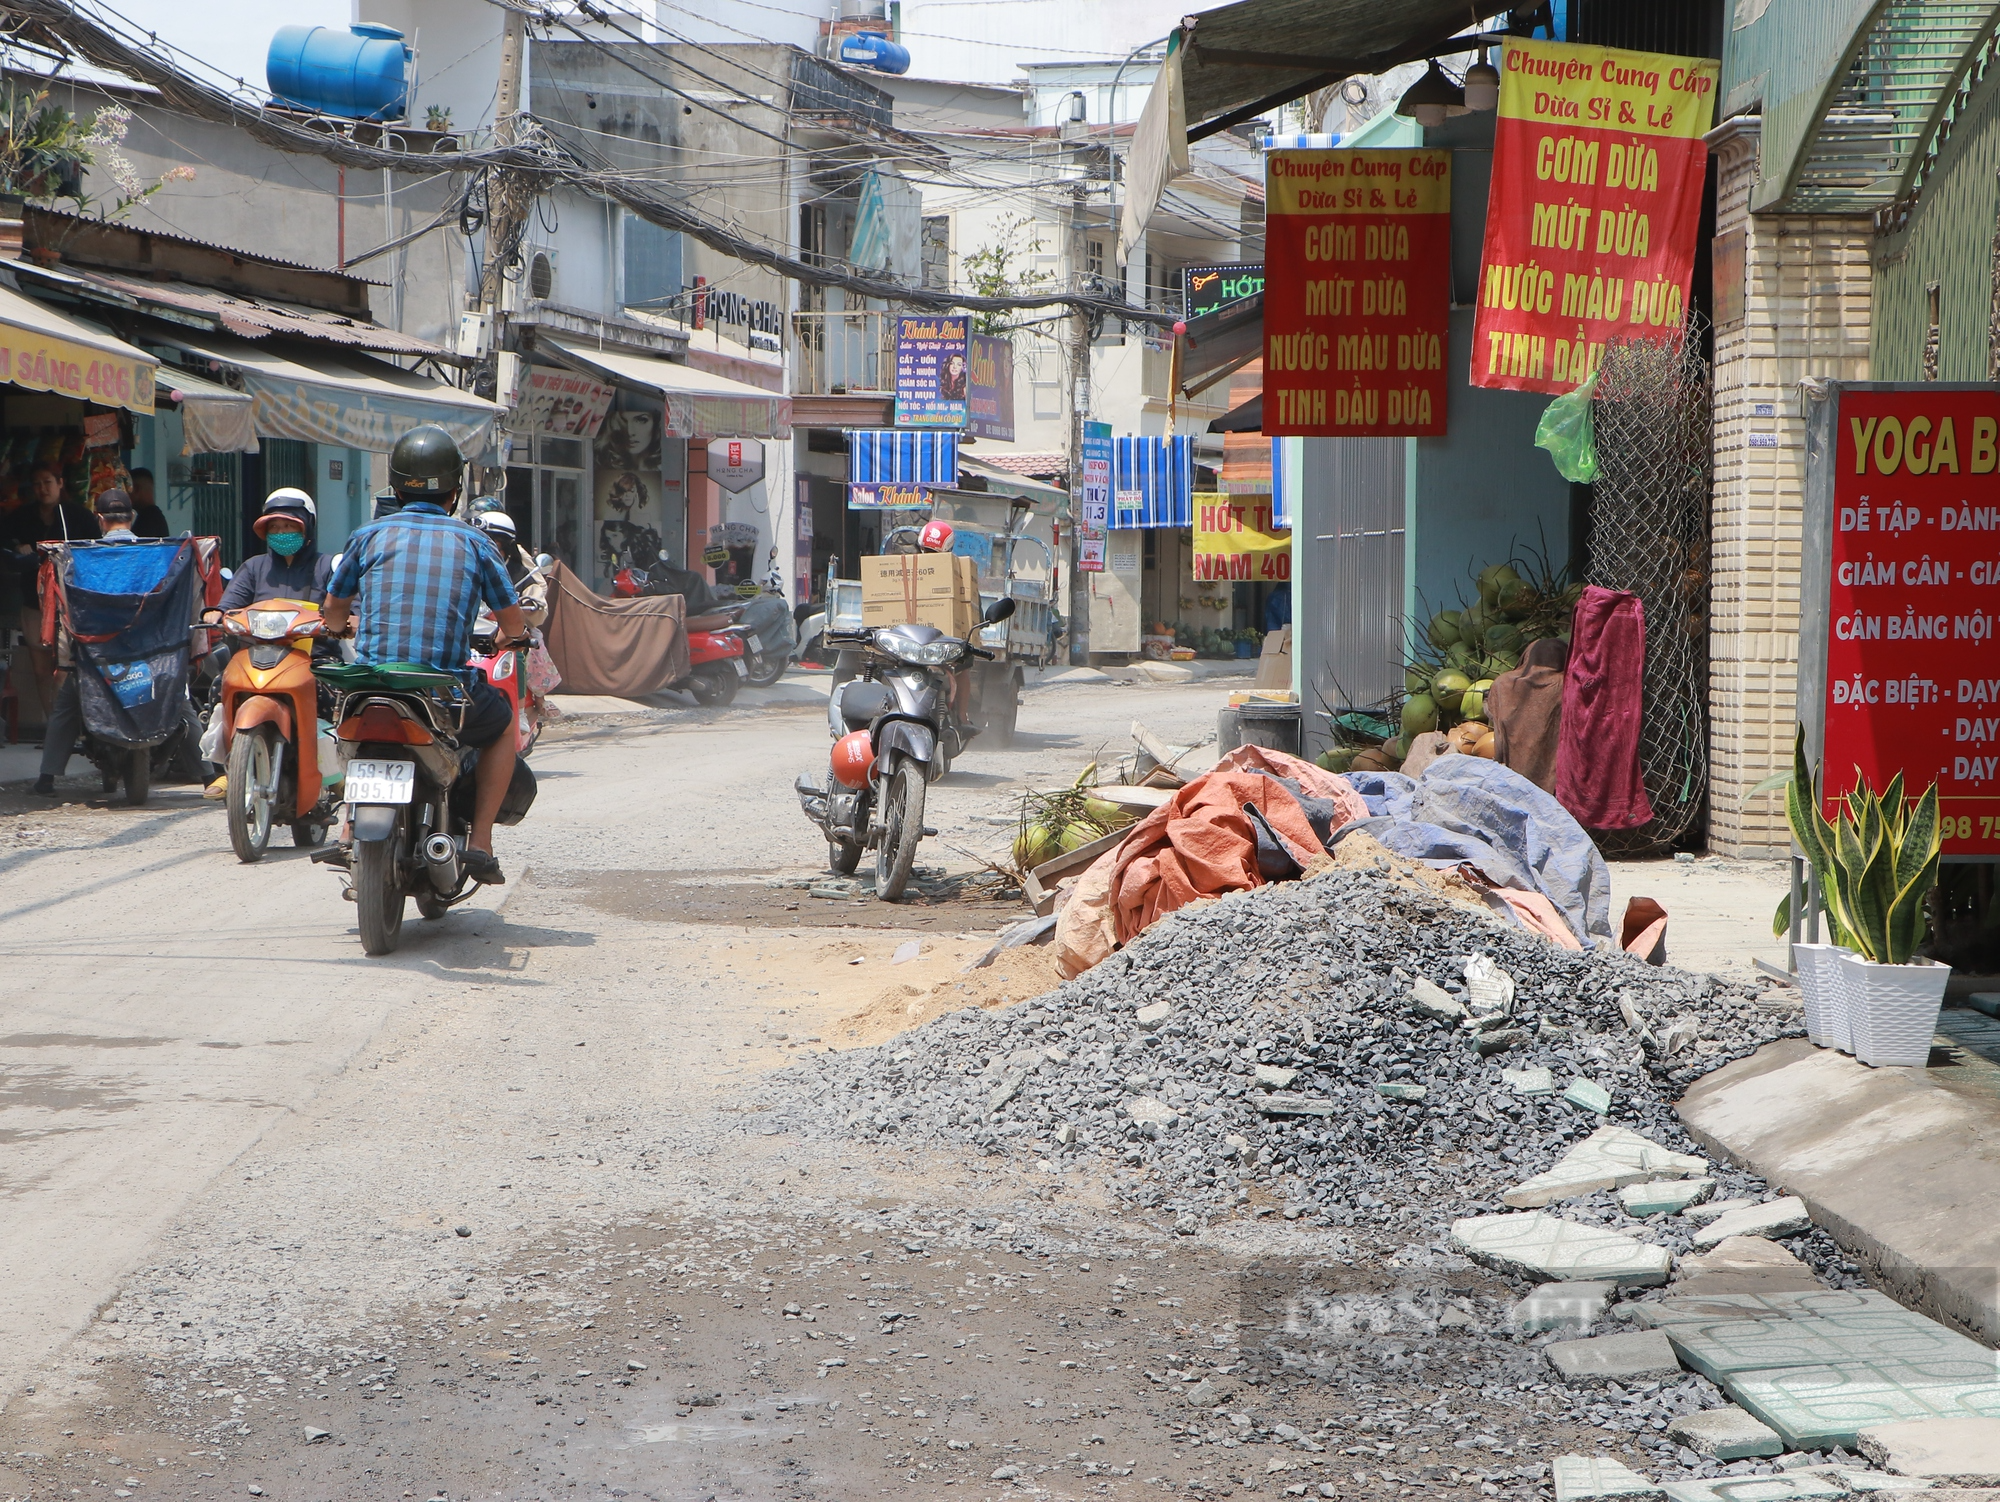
<point x="422" y="577"/>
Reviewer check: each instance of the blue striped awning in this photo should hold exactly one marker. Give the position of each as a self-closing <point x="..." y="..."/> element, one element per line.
<point x="898" y="456"/>
<point x="1162" y="471"/>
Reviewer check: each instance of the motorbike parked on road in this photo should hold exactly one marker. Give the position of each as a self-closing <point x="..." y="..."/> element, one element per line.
<point x="408" y="784"/>
<point x="270" y="723"/>
<point x="894" y="732"/>
<point x="767" y="631"/>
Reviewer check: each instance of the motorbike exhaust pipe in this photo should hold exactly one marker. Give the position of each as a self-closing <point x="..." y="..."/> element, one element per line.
<point x="812" y="798"/>
<point x="442" y="864"/>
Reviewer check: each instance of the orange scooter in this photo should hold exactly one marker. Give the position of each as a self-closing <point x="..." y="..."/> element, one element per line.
<point x="270" y="726"/>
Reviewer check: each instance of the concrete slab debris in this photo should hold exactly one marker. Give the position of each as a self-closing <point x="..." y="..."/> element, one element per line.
<point x="1146" y="1111"/>
<point x="1609" y="1158"/>
<point x="1720" y="1349"/>
<point x="1753" y="1488"/>
<point x="1638" y="1357"/>
<point x="1150" y="1017"/>
<point x="1561" y="1306"/>
<point x="1665" y="1197"/>
<point x="1863" y="1483"/>
<point x="1274" y="1076"/>
<point x="1296" y="1105"/>
<point x="1579" y="1478"/>
<point x="1745" y="1254"/>
<point x="1400" y="1090"/>
<point x="1537" y="1079"/>
<point x="1551" y="1249"/>
<point x="1209" y="1393"/>
<point x="1781" y="1217"/>
<point x="1725" y="1434"/>
<point x="1715" y="1208"/>
<point x="1819" y="1407"/>
<point x="1589" y="1095"/>
<point x="1435" y="1002"/>
<point x="1967" y="1449"/>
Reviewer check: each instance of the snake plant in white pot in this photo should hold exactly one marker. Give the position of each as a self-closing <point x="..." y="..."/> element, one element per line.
<point x="1821" y="982"/>
<point x="1877" y="867"/>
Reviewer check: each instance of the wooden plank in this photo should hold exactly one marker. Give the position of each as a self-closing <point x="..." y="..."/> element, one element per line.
<point x="1040" y="887"/>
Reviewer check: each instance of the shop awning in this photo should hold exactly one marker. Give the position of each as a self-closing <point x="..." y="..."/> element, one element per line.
<point x="1218" y="344"/>
<point x="43" y="350"/>
<point x="700" y="404"/>
<point x="1236" y="62"/>
<point x="901" y="456"/>
<point x="1005" y="482"/>
<point x="350" y="400"/>
<point x="1152" y="482"/>
<point x="214" y="419"/>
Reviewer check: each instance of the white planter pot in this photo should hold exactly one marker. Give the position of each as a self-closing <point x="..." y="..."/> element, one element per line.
<point x="1893" y="1009"/>
<point x="1824" y="989"/>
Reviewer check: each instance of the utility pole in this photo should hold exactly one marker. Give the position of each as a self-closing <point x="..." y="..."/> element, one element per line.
<point x="1079" y="412"/>
<point x="507" y="196"/>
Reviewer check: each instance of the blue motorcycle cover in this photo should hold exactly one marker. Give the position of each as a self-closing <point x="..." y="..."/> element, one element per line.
<point x="128" y="607"/>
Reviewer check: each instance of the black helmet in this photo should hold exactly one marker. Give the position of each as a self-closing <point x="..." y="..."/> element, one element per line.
<point x="426" y="464"/>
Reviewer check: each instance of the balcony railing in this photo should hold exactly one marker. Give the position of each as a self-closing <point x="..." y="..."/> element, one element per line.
<point x="845" y="353"/>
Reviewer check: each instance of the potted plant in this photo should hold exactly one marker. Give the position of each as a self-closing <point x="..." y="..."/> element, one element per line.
<point x="1877" y="867"/>
<point x="1249" y="641"/>
<point x="1821" y="983"/>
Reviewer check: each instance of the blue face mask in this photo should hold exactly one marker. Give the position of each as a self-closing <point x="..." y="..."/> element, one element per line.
<point x="284" y="544"/>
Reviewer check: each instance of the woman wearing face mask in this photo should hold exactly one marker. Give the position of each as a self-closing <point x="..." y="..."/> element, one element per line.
<point x="291" y="568"/>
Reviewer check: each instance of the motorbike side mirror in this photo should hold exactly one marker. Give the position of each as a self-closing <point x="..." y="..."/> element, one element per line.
<point x="999" y="610"/>
<point x="543" y="560"/>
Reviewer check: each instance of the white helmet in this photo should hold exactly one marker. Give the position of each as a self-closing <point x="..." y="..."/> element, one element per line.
<point x="499" y="523"/>
<point x="292" y="493"/>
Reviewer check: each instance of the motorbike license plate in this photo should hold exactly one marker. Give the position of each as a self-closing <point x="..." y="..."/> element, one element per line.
<point x="741" y="671"/>
<point x="753" y="643"/>
<point x="380" y="781"/>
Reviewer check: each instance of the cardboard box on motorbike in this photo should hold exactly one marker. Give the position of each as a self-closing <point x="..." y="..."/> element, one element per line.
<point x="925" y="589"/>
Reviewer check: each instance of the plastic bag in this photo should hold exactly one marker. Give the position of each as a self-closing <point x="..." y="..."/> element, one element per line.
<point x="211" y="738"/>
<point x="543" y="679"/>
<point x="1567" y="432"/>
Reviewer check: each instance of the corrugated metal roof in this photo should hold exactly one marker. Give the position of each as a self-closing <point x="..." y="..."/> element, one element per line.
<point x="1031" y="465"/>
<point x="249" y="318"/>
<point x="1241" y="53"/>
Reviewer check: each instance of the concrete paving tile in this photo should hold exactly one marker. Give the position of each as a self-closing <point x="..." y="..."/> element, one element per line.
<point x="1537" y="1079"/>
<point x="1589" y="1095"/>
<point x="1665" y="1197"/>
<point x="1636" y="1357"/>
<point x="1562" y="1306"/>
<point x="1609" y="1158"/>
<point x="1554" y="1250"/>
<point x="1744" y="1254"/>
<point x="1715" y="1208"/>
<point x="1781" y="1217"/>
<point x="1753" y="1489"/>
<point x="1671" y="1310"/>
<point x="1818" y="1407"/>
<point x="1719" y="1349"/>
<point x="1958" y="1447"/>
<point x="1863" y="1482"/>
<point x="1578" y="1478"/>
<point x="1725" y="1434"/>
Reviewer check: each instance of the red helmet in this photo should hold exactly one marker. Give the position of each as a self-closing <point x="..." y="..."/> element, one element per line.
<point x="853" y="755"/>
<point x="936" y="537"/>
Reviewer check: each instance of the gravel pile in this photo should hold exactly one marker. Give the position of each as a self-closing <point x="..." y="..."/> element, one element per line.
<point x="1299" y="998"/>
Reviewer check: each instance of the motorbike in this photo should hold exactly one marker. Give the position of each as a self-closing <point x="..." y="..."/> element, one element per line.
<point x="408" y="783"/>
<point x="127" y="608"/>
<point x="769" y="635"/>
<point x="716" y="666"/>
<point x="894" y="732"/>
<point x="280" y="766"/>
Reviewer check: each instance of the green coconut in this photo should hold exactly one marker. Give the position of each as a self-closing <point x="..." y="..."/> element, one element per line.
<point x="1034" y="845"/>
<point x="1473" y="705"/>
<point x="1472" y="621"/>
<point x="1504" y="638"/>
<point x="1445" y="629"/>
<point x="1416" y="678"/>
<point x="1494" y="580"/>
<point x="1518" y="599"/>
<point x="1448" y="688"/>
<point x="1460" y="656"/>
<point x="1420" y="713"/>
<point x="1339" y="759"/>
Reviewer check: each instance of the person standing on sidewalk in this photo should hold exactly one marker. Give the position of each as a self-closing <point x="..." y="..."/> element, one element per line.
<point x="47" y="517"/>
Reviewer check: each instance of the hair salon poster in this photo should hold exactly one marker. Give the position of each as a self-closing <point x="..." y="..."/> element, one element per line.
<point x="638" y="487"/>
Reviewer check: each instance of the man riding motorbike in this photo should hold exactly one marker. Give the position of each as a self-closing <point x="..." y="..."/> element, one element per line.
<point x="421" y="577"/>
<point x="521" y="572"/>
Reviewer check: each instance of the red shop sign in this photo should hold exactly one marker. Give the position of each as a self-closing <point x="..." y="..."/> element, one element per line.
<point x="1357" y="292"/>
<point x="1903" y="549"/>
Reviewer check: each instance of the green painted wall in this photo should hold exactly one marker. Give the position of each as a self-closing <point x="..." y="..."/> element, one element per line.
<point x="1948" y="240"/>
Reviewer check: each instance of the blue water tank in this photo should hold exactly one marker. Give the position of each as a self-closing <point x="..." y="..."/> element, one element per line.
<point x="873" y="49"/>
<point x="359" y="74"/>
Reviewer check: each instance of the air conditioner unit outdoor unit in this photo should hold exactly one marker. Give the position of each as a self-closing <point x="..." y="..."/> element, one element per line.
<point x="540" y="281"/>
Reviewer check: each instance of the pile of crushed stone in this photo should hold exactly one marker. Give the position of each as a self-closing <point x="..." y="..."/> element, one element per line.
<point x="1341" y="1052"/>
<point x="1291" y="1027"/>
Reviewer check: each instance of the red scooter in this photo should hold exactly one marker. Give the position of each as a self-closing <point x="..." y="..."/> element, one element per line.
<point x="716" y="649"/>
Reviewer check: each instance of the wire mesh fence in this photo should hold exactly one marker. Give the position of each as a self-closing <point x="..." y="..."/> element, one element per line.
<point x="1649" y="535"/>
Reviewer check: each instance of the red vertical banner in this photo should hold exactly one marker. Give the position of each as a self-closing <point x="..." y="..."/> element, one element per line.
<point x="1590" y="226"/>
<point x="1357" y="293"/>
